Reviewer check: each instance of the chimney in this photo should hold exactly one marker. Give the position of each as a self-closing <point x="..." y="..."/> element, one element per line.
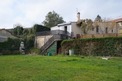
<point x="78" y="16"/>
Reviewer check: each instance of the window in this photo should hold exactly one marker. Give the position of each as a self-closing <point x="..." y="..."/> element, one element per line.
<point x="92" y="29"/>
<point x="112" y="31"/>
<point x="97" y="29"/>
<point x="65" y="29"/>
<point x="106" y="30"/>
<point x="120" y="23"/>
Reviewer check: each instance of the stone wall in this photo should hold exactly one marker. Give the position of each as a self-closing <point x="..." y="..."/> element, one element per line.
<point x="41" y="40"/>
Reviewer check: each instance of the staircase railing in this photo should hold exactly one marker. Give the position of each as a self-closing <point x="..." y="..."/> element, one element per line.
<point x="50" y="42"/>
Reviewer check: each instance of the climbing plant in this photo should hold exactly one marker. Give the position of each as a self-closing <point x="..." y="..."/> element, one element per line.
<point x="111" y="46"/>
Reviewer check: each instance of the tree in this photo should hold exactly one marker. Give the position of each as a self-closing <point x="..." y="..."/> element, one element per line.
<point x="18" y="30"/>
<point x="25" y="32"/>
<point x="52" y="19"/>
<point x="98" y="18"/>
<point x="87" y="24"/>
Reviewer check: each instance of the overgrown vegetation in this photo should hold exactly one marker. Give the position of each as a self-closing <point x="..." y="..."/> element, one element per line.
<point x="52" y="19"/>
<point x="44" y="68"/>
<point x="10" y="47"/>
<point x="111" y="46"/>
<point x="24" y="32"/>
<point x="27" y="35"/>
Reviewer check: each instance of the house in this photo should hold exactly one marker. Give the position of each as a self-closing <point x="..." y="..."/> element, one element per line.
<point x="5" y="34"/>
<point x="103" y="27"/>
<point x="106" y="27"/>
<point x="50" y="41"/>
<point x="72" y="29"/>
<point x="118" y="25"/>
<point x="99" y="27"/>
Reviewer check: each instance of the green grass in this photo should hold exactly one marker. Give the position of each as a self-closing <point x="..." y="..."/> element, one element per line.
<point x="59" y="68"/>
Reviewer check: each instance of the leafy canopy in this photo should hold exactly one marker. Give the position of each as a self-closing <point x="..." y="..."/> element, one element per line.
<point x="87" y="24"/>
<point x="52" y="19"/>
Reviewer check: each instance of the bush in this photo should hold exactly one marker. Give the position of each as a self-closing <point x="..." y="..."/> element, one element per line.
<point x="29" y="41"/>
<point x="11" y="46"/>
<point x="111" y="46"/>
<point x="34" y="51"/>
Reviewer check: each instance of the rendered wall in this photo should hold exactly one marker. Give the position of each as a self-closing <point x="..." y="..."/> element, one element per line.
<point x="41" y="40"/>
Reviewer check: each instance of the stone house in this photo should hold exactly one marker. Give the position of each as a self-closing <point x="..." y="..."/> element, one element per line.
<point x="99" y="27"/>
<point x="50" y="41"/>
<point x="5" y="34"/>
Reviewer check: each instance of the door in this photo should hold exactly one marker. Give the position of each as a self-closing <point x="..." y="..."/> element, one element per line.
<point x="65" y="30"/>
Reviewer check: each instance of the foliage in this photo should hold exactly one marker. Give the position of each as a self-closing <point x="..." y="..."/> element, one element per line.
<point x="26" y="32"/>
<point x="27" y="35"/>
<point x="18" y="30"/>
<point x="34" y="51"/>
<point x="29" y="41"/>
<point x="98" y="18"/>
<point x="52" y="19"/>
<point x="53" y="68"/>
<point x="23" y="32"/>
<point x="40" y="28"/>
<point x="95" y="46"/>
<point x="107" y="23"/>
<point x="86" y="25"/>
<point x="10" y="47"/>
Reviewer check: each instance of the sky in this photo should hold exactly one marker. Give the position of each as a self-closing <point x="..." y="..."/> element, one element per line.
<point x="30" y="12"/>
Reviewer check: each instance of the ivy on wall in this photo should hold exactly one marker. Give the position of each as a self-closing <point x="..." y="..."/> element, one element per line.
<point x="10" y="46"/>
<point x="111" y="46"/>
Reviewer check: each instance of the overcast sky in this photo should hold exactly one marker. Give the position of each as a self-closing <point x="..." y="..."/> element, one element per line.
<point x="29" y="12"/>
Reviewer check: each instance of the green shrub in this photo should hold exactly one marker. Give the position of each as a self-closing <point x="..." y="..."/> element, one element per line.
<point x="34" y="51"/>
<point x="29" y="42"/>
<point x="11" y="46"/>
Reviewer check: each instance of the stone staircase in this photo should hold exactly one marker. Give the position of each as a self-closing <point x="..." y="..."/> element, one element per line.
<point x="50" y="42"/>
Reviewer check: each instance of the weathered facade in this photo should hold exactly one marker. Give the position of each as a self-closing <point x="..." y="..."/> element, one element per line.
<point x="99" y="27"/>
<point x="50" y="42"/>
<point x="71" y="28"/>
<point x="41" y="40"/>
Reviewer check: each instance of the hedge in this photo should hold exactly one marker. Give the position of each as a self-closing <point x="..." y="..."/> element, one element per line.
<point x="111" y="46"/>
<point x="11" y="46"/>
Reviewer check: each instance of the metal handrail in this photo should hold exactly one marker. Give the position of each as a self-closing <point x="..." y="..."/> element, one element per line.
<point x="43" y="48"/>
<point x="51" y="41"/>
<point x="53" y="32"/>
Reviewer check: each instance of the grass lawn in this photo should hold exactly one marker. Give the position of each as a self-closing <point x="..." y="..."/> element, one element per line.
<point x="59" y="68"/>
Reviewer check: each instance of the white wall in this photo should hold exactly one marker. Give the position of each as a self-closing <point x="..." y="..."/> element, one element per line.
<point x="71" y="28"/>
<point x="55" y="28"/>
<point x="68" y="28"/>
<point x="62" y="27"/>
<point x="41" y="40"/>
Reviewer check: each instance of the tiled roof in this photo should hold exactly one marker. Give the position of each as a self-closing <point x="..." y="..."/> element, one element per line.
<point x="117" y="20"/>
<point x="9" y="32"/>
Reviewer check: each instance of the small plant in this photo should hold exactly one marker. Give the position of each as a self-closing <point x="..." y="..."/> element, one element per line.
<point x="34" y="51"/>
